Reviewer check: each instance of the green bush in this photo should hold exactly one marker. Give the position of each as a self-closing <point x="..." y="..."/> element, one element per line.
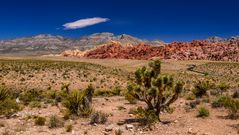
<point x="231" y="104"/>
<point x="203" y="112"/>
<point x="217" y="103"/>
<point x="40" y="121"/>
<point x="222" y="87"/>
<point x="55" y="122"/>
<point x="201" y="88"/>
<point x="31" y="95"/>
<point x="4" y="94"/>
<point x="98" y="118"/>
<point x="8" y="107"/>
<point x="147" y="117"/>
<point x="157" y="91"/>
<point x="35" y="104"/>
<point x="190" y="96"/>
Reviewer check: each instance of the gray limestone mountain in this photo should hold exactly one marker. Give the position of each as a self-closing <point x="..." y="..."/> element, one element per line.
<point x="49" y="44"/>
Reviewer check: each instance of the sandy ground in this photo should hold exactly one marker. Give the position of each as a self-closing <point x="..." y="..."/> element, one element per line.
<point x="182" y="122"/>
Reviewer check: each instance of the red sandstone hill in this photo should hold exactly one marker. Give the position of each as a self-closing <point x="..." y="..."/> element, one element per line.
<point x="196" y="50"/>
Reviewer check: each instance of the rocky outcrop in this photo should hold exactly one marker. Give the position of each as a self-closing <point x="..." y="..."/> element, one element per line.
<point x="72" y="53"/>
<point x="196" y="50"/>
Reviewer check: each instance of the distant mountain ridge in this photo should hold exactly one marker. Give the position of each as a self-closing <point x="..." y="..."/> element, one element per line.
<point x="46" y="44"/>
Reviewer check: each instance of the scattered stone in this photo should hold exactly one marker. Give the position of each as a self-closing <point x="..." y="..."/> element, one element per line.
<point x="129" y="127"/>
<point x="105" y="133"/>
<point x="121" y="122"/>
<point x="109" y="128"/>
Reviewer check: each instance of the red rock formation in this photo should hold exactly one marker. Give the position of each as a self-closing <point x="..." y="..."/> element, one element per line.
<point x="196" y="50"/>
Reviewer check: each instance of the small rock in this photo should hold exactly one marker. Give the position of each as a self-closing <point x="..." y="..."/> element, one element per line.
<point x="190" y="130"/>
<point x="129" y="127"/>
<point x="109" y="128"/>
<point x="73" y="132"/>
<point x="131" y="115"/>
<point x="121" y="122"/>
<point x="105" y="133"/>
<point x="176" y="121"/>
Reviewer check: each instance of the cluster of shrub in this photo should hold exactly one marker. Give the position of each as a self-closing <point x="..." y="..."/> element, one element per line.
<point x="77" y="103"/>
<point x="221" y="95"/>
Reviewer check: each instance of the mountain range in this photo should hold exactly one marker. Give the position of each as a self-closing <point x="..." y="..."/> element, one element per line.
<point x="49" y="44"/>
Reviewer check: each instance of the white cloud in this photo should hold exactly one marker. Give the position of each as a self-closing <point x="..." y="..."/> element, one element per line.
<point x="84" y="23"/>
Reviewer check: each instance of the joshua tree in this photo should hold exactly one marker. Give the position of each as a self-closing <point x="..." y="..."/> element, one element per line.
<point x="156" y="90"/>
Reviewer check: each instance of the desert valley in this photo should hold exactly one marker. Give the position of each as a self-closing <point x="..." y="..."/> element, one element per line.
<point x="118" y="85"/>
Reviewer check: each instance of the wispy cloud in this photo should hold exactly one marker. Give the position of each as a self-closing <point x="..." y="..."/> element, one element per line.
<point x="84" y="23"/>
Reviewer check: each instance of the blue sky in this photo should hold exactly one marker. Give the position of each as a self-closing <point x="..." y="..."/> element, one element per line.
<point x="168" y="20"/>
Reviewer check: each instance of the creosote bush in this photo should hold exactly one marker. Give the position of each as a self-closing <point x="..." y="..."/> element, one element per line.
<point x="55" y="122"/>
<point x="201" y="88"/>
<point x="98" y="118"/>
<point x="40" y="121"/>
<point x="203" y="112"/>
<point x="231" y="104"/>
<point x="156" y="90"/>
<point x="31" y="95"/>
<point x="222" y="87"/>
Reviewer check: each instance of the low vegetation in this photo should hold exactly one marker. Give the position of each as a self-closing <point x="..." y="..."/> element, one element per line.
<point x="148" y="95"/>
<point x="40" y="121"/>
<point x="203" y="112"/>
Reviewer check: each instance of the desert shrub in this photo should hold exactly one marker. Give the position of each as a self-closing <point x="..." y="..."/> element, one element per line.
<point x="68" y="128"/>
<point x="79" y="102"/>
<point x="4" y="93"/>
<point x="8" y="107"/>
<point x="40" y="121"/>
<point x="157" y="91"/>
<point x="31" y="95"/>
<point x="214" y="92"/>
<point x="190" y="96"/>
<point x="206" y="100"/>
<point x="146" y="116"/>
<point x="203" y="112"/>
<point x="35" y="104"/>
<point x="65" y="88"/>
<point x="193" y="104"/>
<point x="98" y="118"/>
<point x="231" y="104"/>
<point x="116" y="91"/>
<point x="217" y="103"/>
<point x="201" y="88"/>
<point x="55" y="122"/>
<point x="104" y="93"/>
<point x="222" y="87"/>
